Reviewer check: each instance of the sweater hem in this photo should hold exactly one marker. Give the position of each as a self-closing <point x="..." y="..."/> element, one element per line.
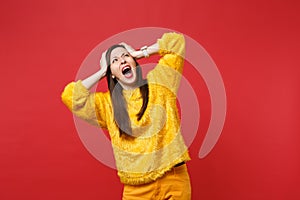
<point x="127" y="179"/>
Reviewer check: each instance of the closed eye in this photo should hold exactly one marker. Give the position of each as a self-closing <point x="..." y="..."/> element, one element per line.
<point x="125" y="55"/>
<point x="114" y="60"/>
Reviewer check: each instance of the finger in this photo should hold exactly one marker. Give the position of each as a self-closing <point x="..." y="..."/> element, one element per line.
<point x="128" y="47"/>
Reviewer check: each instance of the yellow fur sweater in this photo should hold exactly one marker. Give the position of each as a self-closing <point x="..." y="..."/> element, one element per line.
<point x="157" y="144"/>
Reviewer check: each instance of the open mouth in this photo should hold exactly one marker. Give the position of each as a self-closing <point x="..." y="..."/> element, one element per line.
<point x="126" y="71"/>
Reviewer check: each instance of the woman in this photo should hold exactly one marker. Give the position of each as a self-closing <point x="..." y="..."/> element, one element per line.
<point x="141" y="116"/>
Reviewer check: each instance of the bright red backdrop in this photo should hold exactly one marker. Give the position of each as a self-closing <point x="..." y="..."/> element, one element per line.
<point x="255" y="45"/>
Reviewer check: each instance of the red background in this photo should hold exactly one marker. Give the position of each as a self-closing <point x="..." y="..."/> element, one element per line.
<point x="255" y="45"/>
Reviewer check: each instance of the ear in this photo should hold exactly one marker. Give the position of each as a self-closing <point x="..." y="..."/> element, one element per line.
<point x="113" y="76"/>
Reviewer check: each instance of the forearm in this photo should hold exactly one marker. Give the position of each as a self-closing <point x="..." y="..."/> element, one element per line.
<point x="93" y="79"/>
<point x="153" y="49"/>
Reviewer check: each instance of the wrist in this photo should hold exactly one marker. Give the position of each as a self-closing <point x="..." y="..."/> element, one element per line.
<point x="145" y="52"/>
<point x="101" y="73"/>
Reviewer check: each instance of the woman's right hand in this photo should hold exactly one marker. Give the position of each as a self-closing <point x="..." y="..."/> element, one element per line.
<point x="103" y="63"/>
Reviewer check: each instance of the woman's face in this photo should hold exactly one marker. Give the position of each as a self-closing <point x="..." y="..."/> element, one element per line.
<point x="123" y="67"/>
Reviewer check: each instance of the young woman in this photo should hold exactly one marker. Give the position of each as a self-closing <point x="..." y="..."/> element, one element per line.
<point x="141" y="116"/>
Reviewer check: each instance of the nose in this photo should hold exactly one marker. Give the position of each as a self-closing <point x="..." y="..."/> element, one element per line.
<point x="123" y="61"/>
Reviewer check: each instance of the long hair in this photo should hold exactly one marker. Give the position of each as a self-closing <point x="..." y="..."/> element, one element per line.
<point x="121" y="116"/>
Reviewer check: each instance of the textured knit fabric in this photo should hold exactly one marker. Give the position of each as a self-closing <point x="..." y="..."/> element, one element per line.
<point x="157" y="144"/>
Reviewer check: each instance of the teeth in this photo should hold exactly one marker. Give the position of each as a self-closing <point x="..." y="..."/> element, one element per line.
<point x="126" y="69"/>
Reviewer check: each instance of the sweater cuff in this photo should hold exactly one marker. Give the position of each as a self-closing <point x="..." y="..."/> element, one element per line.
<point x="172" y="43"/>
<point x="79" y="87"/>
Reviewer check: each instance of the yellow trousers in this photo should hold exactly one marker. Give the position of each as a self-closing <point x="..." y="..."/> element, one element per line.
<point x="174" y="185"/>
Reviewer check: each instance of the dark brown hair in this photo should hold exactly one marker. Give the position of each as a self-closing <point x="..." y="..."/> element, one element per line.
<point x="121" y="116"/>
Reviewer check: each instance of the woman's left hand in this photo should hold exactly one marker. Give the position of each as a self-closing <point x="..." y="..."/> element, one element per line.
<point x="134" y="53"/>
